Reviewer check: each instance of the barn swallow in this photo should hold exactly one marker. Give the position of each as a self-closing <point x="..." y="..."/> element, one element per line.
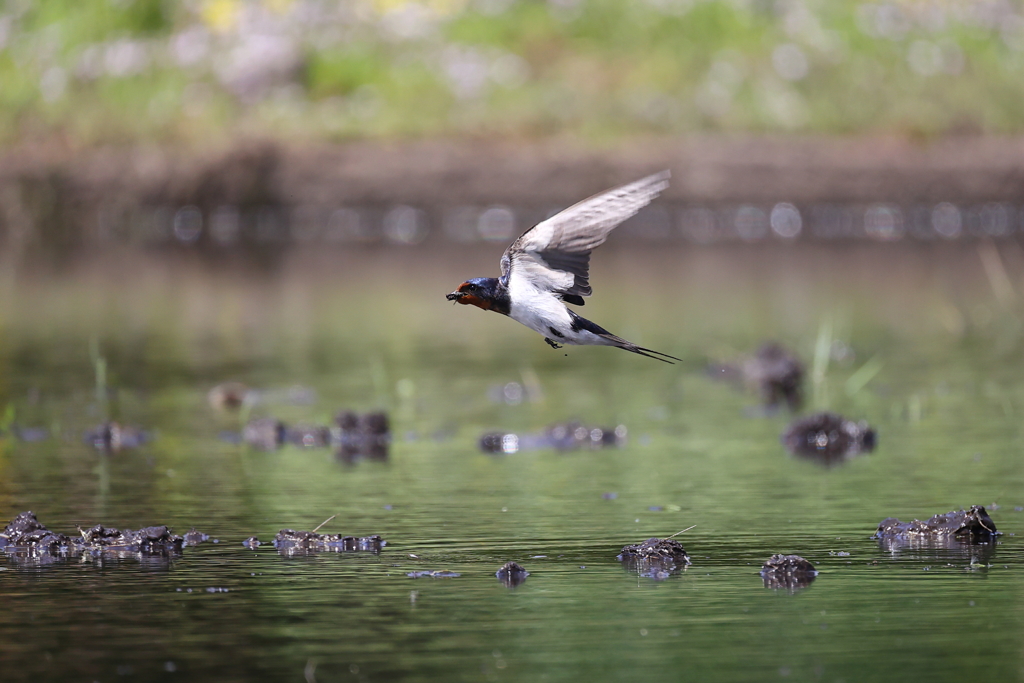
<point x="548" y="267"/>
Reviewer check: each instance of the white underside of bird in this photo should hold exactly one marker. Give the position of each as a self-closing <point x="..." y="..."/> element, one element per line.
<point x="544" y="312"/>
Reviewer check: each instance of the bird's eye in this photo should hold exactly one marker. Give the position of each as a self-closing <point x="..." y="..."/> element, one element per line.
<point x="471" y="287"/>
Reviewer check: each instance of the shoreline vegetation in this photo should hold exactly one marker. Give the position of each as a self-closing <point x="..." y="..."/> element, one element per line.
<point x="262" y="115"/>
<point x="98" y="72"/>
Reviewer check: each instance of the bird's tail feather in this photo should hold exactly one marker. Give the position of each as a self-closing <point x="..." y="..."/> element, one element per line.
<point x="651" y="353"/>
<point x="642" y="350"/>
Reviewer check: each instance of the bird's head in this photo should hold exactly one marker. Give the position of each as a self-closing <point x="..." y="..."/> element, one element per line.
<point x="481" y="292"/>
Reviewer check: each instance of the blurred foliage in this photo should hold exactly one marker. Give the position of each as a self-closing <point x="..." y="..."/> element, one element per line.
<point x="110" y="70"/>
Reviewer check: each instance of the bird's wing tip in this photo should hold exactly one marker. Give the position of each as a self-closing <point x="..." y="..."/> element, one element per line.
<point x="658" y="180"/>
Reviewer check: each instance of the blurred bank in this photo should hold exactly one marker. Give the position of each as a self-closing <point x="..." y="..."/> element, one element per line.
<point x="270" y="123"/>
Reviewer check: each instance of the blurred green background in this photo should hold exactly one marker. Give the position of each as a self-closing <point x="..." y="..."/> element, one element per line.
<point x="102" y="71"/>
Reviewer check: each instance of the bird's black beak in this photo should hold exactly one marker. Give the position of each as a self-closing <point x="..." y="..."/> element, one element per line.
<point x="454" y="296"/>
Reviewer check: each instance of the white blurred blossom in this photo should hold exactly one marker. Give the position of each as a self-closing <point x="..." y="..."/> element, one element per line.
<point x="258" y="63"/>
<point x="125" y="58"/>
<point x="466" y="70"/>
<point x="409" y="21"/>
<point x="53" y="84"/>
<point x="932" y="17"/>
<point x="190" y="46"/>
<point x="469" y="70"/>
<point x="790" y="62"/>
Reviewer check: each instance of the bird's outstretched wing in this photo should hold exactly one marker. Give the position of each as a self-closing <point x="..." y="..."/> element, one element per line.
<point x="555" y="254"/>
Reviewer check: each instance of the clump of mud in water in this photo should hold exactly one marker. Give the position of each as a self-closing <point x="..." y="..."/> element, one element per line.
<point x="562" y="436"/>
<point x="434" y="574"/>
<point x="353" y="435"/>
<point x="361" y="436"/>
<point x="774" y="372"/>
<point x="308" y="436"/>
<point x="828" y="438"/>
<point x="790" y="572"/>
<point x="26" y="538"/>
<point x="111" y="437"/>
<point x="264" y="433"/>
<point x="656" y="558"/>
<point x="230" y="396"/>
<point x="973" y="525"/>
<point x="291" y="542"/>
<point x="194" y="537"/>
<point x="512" y="574"/>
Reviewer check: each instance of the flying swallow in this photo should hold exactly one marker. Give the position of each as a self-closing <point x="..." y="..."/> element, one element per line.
<point x="548" y="267"/>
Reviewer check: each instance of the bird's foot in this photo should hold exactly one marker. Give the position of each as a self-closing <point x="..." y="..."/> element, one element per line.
<point x="552" y="343"/>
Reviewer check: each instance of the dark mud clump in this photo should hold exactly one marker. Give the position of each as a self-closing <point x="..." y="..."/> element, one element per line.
<point x="828" y="438"/>
<point x="656" y="550"/>
<point x="970" y="526"/>
<point x="361" y="436"/>
<point x="25" y="534"/>
<point x="355" y="436"/>
<point x="562" y="436"/>
<point x="265" y="433"/>
<point x="499" y="442"/>
<point x="790" y="572"/>
<point x="776" y="374"/>
<point x="229" y="396"/>
<point x="512" y="574"/>
<point x="291" y="542"/>
<point x="569" y="436"/>
<point x="656" y="558"/>
<point x="435" y="574"/>
<point x="150" y="539"/>
<point x="194" y="537"/>
<point x="111" y="437"/>
<point x="310" y="540"/>
<point x="308" y="436"/>
<point x="26" y="538"/>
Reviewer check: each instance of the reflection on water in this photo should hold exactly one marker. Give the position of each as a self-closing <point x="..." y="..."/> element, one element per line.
<point x="326" y="225"/>
<point x="920" y="341"/>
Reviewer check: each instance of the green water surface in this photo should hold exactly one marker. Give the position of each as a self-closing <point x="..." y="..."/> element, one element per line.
<point x="915" y="339"/>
